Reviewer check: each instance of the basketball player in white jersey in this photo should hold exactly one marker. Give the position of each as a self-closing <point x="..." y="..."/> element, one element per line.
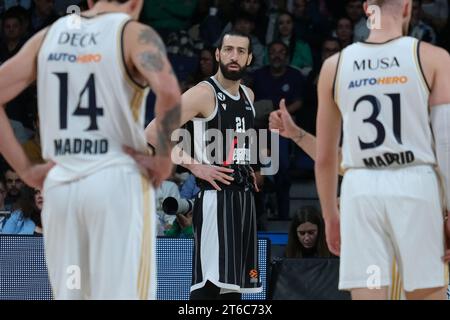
<point x="93" y="74"/>
<point x="382" y="91"/>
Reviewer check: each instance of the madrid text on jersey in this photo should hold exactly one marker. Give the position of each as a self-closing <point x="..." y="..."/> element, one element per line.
<point x="64" y="147"/>
<point x="389" y="159"/>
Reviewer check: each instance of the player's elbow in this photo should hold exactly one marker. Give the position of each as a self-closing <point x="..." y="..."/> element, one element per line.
<point x="169" y="95"/>
<point x="324" y="161"/>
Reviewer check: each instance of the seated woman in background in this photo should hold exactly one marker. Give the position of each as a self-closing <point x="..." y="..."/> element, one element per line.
<point x="307" y="235"/>
<point x="26" y="218"/>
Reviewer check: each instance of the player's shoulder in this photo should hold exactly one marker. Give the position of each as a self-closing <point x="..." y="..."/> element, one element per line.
<point x="145" y="34"/>
<point x="202" y="91"/>
<point x="428" y="50"/>
<point x="330" y="65"/>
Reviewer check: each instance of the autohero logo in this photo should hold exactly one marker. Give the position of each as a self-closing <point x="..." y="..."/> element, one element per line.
<point x="382" y="81"/>
<point x="72" y="58"/>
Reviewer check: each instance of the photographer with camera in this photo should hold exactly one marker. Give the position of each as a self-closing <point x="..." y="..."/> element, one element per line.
<point x="5" y="210"/>
<point x="182" y="209"/>
<point x="182" y="226"/>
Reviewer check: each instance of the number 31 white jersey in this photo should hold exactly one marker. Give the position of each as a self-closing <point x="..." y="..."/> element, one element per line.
<point x="382" y="95"/>
<point x="89" y="107"/>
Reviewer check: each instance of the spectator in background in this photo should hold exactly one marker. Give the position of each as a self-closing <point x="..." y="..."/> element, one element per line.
<point x="182" y="226"/>
<point x="245" y="24"/>
<point x="275" y="82"/>
<point x="435" y="12"/>
<point x="206" y="68"/>
<point x="42" y="14"/>
<point x="12" y="35"/>
<point x="13" y="186"/>
<point x="256" y="11"/>
<point x="299" y="51"/>
<point x="419" y="29"/>
<point x="165" y="221"/>
<point x="26" y="219"/>
<point x="355" y="11"/>
<point x="219" y="15"/>
<point x="306" y="237"/>
<point x="311" y="24"/>
<point x="4" y="209"/>
<point x="306" y="116"/>
<point x="344" y="32"/>
<point x="168" y="16"/>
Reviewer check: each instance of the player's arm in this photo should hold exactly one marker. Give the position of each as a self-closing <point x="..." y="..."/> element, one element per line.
<point x="281" y="122"/>
<point x="16" y="74"/>
<point x="148" y="56"/>
<point x="198" y="101"/>
<point x="327" y="148"/>
<point x="195" y="103"/>
<point x="436" y="62"/>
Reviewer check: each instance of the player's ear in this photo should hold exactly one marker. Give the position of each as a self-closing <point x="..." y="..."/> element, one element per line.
<point x="134" y="8"/>
<point x="406" y="8"/>
<point x="249" y="59"/>
<point x="366" y="7"/>
<point x="217" y="55"/>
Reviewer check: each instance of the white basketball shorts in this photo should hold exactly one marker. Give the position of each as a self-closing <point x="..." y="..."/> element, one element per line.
<point x="388" y="215"/>
<point x="100" y="236"/>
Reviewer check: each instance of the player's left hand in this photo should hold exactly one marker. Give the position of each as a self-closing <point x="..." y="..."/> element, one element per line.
<point x="333" y="234"/>
<point x="156" y="167"/>
<point x="255" y="183"/>
<point x="35" y="175"/>
<point x="446" y="256"/>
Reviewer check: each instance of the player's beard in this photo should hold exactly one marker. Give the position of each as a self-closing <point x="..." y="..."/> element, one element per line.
<point x="232" y="75"/>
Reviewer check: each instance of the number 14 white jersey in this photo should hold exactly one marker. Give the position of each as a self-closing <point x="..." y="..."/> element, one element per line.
<point x="382" y="95"/>
<point x="89" y="107"/>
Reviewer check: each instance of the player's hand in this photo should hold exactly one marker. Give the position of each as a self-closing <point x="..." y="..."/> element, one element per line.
<point x="255" y="181"/>
<point x="35" y="175"/>
<point x="333" y="234"/>
<point x="281" y="122"/>
<point x="185" y="220"/>
<point x="447" y="238"/>
<point x="212" y="174"/>
<point x="157" y="168"/>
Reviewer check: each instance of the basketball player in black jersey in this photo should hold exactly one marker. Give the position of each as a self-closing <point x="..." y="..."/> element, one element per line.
<point x="225" y="260"/>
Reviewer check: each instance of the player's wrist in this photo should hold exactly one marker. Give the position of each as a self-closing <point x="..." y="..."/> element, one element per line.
<point x="298" y="135"/>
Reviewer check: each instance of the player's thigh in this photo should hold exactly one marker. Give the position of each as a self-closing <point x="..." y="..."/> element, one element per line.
<point x="366" y="252"/>
<point x="416" y="218"/>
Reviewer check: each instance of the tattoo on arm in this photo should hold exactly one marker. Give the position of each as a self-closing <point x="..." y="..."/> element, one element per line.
<point x="152" y="61"/>
<point x="169" y="122"/>
<point x="149" y="36"/>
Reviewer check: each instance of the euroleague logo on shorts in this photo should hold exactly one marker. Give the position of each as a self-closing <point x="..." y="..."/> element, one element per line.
<point x="253" y="274"/>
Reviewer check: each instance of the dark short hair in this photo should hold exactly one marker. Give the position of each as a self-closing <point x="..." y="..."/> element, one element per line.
<point x="281" y="43"/>
<point x="237" y="34"/>
<point x="331" y="39"/>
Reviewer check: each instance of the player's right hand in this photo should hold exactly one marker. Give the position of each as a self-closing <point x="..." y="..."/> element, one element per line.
<point x="333" y="234"/>
<point x="158" y="168"/>
<point x="35" y="175"/>
<point x="281" y="122"/>
<point x="212" y="174"/>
